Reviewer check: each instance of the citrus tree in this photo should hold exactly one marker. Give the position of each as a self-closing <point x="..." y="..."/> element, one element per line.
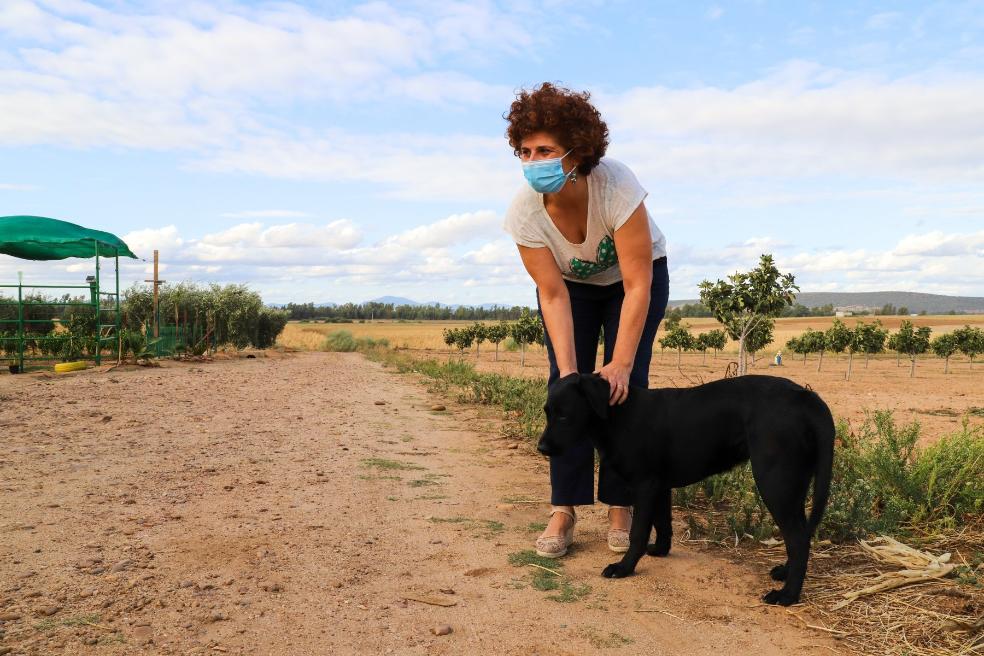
<point x="715" y="340"/>
<point x="450" y="338"/>
<point x="970" y="342"/>
<point x="527" y="330"/>
<point x="869" y="339"/>
<point x="495" y="334"/>
<point x="479" y="334"/>
<point x="912" y="341"/>
<point x="759" y="337"/>
<point x="944" y="346"/>
<point x="746" y="299"/>
<point x="814" y="341"/>
<point x="678" y="337"/>
<point x="838" y="337"/>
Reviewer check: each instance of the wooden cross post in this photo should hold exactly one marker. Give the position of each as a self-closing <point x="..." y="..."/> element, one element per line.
<point x="157" y="283"/>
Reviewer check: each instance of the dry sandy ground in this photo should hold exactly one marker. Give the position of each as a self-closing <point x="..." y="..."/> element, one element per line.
<point x="233" y="508"/>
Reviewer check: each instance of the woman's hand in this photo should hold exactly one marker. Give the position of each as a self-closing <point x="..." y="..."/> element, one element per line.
<point x="617" y="376"/>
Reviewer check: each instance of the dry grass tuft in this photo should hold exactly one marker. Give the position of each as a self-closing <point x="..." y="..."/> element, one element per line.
<point x="928" y="616"/>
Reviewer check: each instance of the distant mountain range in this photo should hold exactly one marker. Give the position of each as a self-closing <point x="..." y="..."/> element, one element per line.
<point x="914" y="301"/>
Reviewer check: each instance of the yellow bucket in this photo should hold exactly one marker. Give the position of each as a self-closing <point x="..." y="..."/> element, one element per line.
<point x="65" y="367"/>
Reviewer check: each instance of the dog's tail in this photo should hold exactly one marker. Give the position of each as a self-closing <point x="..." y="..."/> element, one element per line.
<point x="823" y="435"/>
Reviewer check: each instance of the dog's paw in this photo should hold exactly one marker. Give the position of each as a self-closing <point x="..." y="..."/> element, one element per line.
<point x="616" y="571"/>
<point x="779" y="572"/>
<point x="659" y="548"/>
<point x="780" y="598"/>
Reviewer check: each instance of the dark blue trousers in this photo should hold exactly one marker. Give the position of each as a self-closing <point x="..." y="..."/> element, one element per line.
<point x="594" y="307"/>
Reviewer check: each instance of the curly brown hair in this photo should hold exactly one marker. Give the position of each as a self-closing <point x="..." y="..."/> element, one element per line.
<point x="566" y="115"/>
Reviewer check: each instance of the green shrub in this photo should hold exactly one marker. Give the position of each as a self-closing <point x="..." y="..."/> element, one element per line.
<point x="882" y="483"/>
<point x="340" y="340"/>
<point x="343" y="341"/>
<point x="510" y="344"/>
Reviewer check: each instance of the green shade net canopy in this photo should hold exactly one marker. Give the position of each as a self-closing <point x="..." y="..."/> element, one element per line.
<point x="40" y="238"/>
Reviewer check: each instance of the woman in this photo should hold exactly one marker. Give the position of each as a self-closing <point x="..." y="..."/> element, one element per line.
<point x="599" y="263"/>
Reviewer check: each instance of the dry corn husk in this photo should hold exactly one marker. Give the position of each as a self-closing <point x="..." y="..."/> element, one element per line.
<point x="918" y="567"/>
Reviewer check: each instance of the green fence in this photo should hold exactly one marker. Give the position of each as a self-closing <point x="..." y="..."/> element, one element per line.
<point x="33" y="326"/>
<point x="175" y="340"/>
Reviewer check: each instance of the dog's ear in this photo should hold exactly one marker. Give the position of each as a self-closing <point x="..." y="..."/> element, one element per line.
<point x="597" y="391"/>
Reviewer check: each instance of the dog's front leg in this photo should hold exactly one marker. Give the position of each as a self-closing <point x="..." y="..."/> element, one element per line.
<point x="663" y="523"/>
<point x="644" y="513"/>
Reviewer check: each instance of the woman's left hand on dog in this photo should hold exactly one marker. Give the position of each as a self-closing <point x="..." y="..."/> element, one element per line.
<point x="617" y="376"/>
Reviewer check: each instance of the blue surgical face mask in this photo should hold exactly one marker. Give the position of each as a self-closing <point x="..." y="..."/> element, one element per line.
<point x="546" y="176"/>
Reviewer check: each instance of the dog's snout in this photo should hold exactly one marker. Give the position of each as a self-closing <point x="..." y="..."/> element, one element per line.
<point x="544" y="447"/>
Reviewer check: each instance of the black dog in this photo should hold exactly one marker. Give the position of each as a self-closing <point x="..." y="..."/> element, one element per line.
<point x="665" y="438"/>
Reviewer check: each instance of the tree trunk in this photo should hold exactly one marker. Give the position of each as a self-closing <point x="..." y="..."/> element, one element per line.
<point x="478" y="350"/>
<point x="804" y="357"/>
<point x="820" y="362"/>
<point x="497" y="351"/>
<point x="850" y="364"/>
<point x="679" y="355"/>
<point x="704" y="361"/>
<point x="946" y="365"/>
<point x="898" y="358"/>
<point x="742" y="365"/>
<point x="522" y="354"/>
<point x="867" y="356"/>
<point x="912" y="368"/>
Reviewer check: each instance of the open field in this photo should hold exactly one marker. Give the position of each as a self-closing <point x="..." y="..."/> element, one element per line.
<point x="937" y="401"/>
<point x="314" y="504"/>
<point x="428" y="334"/>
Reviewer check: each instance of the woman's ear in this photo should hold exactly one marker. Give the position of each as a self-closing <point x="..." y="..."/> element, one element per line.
<point x="597" y="391"/>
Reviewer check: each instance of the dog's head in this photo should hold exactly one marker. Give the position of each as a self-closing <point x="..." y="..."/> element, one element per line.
<point x="574" y="402"/>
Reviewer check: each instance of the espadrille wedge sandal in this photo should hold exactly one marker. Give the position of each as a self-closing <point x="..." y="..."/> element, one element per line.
<point x="555" y="546"/>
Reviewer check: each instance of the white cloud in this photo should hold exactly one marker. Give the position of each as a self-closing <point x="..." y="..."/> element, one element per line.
<point x="932" y="262"/>
<point x="715" y="12"/>
<point x="939" y="244"/>
<point x="455" y="230"/>
<point x="176" y="52"/>
<point x="805" y="121"/>
<point x="10" y="186"/>
<point x="406" y="166"/>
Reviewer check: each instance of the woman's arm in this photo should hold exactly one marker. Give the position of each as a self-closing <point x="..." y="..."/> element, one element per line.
<point x="634" y="246"/>
<point x="555" y="304"/>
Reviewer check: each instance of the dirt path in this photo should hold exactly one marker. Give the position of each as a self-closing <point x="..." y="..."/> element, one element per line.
<point x="269" y="506"/>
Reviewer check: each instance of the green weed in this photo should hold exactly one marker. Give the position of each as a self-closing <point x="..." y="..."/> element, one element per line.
<point x="78" y="620"/>
<point x="611" y="641"/>
<point x="383" y="463"/>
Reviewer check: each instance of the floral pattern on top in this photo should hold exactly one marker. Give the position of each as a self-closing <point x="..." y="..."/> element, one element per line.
<point x="607" y="258"/>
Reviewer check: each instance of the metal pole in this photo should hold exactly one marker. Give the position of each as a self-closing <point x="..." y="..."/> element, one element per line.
<point x="98" y="314"/>
<point x="157" y="319"/>
<point x="119" y="322"/>
<point x="20" y="321"/>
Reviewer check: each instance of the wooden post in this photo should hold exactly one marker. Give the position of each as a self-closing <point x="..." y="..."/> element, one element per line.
<point x="157" y="283"/>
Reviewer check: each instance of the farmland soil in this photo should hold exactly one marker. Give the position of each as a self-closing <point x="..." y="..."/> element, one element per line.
<point x="316" y="504"/>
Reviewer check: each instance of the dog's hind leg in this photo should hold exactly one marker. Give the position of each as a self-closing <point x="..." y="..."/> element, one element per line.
<point x="663" y="523"/>
<point x="797" y="539"/>
<point x="643" y="518"/>
<point x="783" y="489"/>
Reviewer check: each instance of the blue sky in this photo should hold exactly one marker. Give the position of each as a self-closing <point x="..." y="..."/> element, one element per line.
<point x="335" y="151"/>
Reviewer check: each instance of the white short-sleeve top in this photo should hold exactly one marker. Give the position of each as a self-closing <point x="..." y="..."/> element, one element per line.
<point x="614" y="193"/>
